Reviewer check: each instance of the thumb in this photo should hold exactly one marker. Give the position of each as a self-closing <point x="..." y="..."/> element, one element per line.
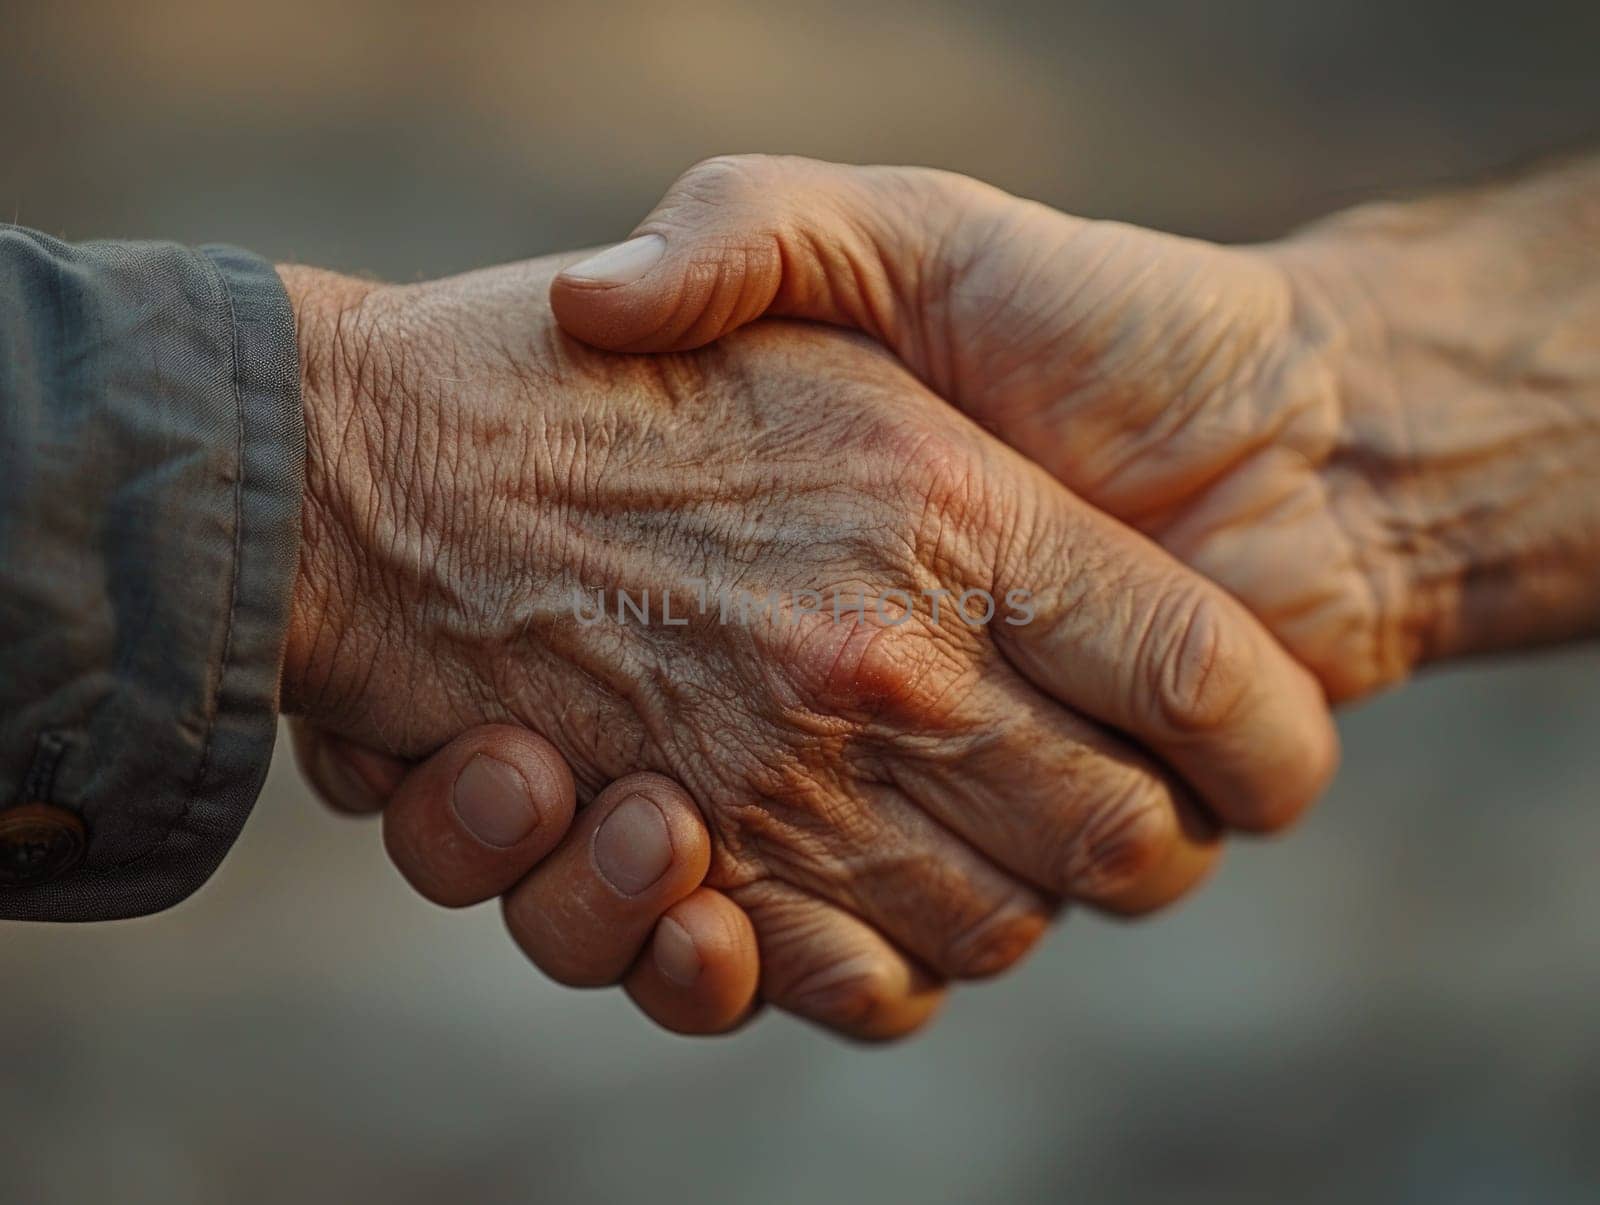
<point x="739" y="237"/>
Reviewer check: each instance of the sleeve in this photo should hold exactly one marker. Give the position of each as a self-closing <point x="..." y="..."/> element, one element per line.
<point x="151" y="459"/>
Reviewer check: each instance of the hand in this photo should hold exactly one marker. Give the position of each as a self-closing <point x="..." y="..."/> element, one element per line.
<point x="617" y="897"/>
<point x="893" y="800"/>
<point x="1335" y="428"/>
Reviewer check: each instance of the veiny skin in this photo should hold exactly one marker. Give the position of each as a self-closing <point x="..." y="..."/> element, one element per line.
<point x="891" y="805"/>
<point x="1379" y="435"/>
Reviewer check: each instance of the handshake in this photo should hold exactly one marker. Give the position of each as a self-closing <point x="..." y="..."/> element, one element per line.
<point x="1021" y="572"/>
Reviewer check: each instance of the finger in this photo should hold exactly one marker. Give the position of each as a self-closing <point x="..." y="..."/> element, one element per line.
<point x="637" y="850"/>
<point x="700" y="971"/>
<point x="929" y="892"/>
<point x="861" y="844"/>
<point x="346" y="776"/>
<point x="1189" y="860"/>
<point x="823" y="965"/>
<point x="476" y="816"/>
<point x="741" y="236"/>
<point x="1056" y="800"/>
<point x="1118" y="629"/>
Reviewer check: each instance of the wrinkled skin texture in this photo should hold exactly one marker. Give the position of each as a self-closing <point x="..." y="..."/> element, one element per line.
<point x="1353" y="431"/>
<point x="892" y="804"/>
<point x="1183" y="387"/>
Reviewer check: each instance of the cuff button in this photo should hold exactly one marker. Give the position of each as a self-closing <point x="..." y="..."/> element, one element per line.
<point x="38" y="843"/>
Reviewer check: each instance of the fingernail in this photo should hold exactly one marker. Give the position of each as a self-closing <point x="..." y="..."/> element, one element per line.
<point x="633" y="847"/>
<point x="675" y="953"/>
<point x="622" y="264"/>
<point x="338" y="777"/>
<point x="492" y="802"/>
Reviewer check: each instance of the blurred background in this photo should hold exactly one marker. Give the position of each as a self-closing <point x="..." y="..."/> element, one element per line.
<point x="1400" y="1001"/>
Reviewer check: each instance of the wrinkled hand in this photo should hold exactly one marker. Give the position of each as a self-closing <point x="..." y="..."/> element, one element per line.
<point x="1239" y="405"/>
<point x="893" y="799"/>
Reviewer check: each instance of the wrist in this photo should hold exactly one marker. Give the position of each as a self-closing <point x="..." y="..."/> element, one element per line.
<point x="1463" y="346"/>
<point x="334" y="338"/>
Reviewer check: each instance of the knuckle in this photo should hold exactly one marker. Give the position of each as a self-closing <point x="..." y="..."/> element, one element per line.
<point x="1125" y="837"/>
<point x="1200" y="674"/>
<point x="855" y="995"/>
<point x="863" y="669"/>
<point x="836" y="977"/>
<point x="1296" y="784"/>
<point x="1270" y="814"/>
<point x="1323" y="757"/>
<point x="994" y="943"/>
<point x="923" y="187"/>
<point x="960" y="192"/>
<point x="1318" y="761"/>
<point x="957" y="184"/>
<point x="724" y="178"/>
<point x="940" y="468"/>
<point x="1138" y="905"/>
<point x="949" y="513"/>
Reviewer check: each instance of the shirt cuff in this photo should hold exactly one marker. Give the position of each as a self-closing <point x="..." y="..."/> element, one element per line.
<point x="149" y="532"/>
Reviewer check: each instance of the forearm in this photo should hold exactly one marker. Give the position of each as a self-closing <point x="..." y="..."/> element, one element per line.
<point x="1464" y="332"/>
